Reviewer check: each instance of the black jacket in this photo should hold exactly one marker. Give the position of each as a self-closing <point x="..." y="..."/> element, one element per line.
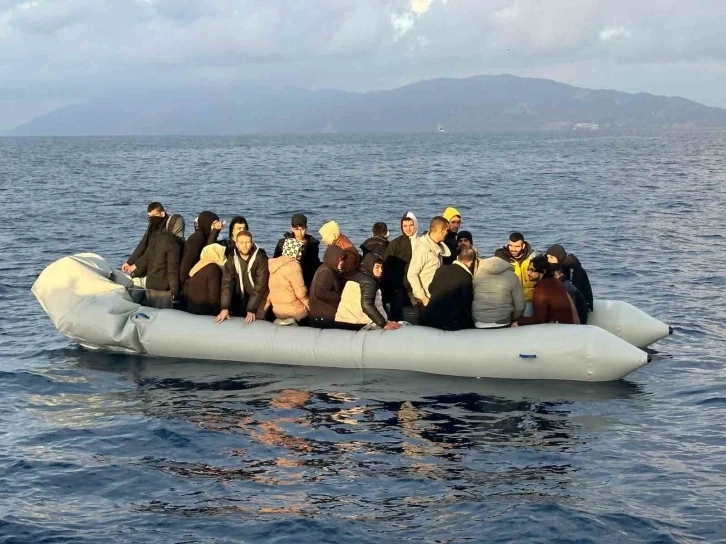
<point x="327" y="286"/>
<point x="369" y="288"/>
<point x="375" y="244"/>
<point x="203" y="291"/>
<point x="395" y="267"/>
<point x="196" y="242"/>
<point x="452" y="294"/>
<point x="578" y="276"/>
<point x="453" y="244"/>
<point x="160" y="263"/>
<point x="578" y="298"/>
<point x="144" y="243"/>
<point x="253" y="291"/>
<point x="310" y="260"/>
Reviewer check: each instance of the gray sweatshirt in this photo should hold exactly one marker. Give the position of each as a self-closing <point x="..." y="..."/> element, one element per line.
<point x="498" y="294"/>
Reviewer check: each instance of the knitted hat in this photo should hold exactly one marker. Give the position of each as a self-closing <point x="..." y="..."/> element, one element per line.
<point x="466" y="235"/>
<point x="291" y="248"/>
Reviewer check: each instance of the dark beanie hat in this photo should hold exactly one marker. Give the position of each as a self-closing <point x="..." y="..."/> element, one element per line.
<point x="557" y="251"/>
<point x="299" y="219"/>
<point x="465" y="235"/>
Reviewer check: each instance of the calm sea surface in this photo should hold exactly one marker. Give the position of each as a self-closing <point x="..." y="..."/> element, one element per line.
<point x="102" y="448"/>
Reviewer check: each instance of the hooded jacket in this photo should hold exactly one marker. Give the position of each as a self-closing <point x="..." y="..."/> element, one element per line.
<point x="327" y="286"/>
<point x="331" y="231"/>
<point x="248" y="280"/>
<point x="574" y="272"/>
<point x="398" y="256"/>
<point x="451" y="241"/>
<point x="288" y="294"/>
<point x="310" y="260"/>
<point x="451" y="298"/>
<point x="498" y="294"/>
<point x="375" y="244"/>
<point x="197" y="241"/>
<point x="426" y="259"/>
<point x="551" y="304"/>
<point x="520" y="269"/>
<point x="203" y="289"/>
<point x="175" y="221"/>
<point x="160" y="261"/>
<point x="361" y="302"/>
<point x="229" y="243"/>
<point x="578" y="298"/>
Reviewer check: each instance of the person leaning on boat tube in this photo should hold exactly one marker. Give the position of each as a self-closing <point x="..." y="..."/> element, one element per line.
<point x="331" y="236"/>
<point x="452" y="294"/>
<point x="498" y="294"/>
<point x="327" y="288"/>
<point x="551" y="302"/>
<point x="160" y="266"/>
<point x="288" y="294"/>
<point x="395" y="287"/>
<point x="453" y="216"/>
<point x="310" y="258"/>
<point x="573" y="270"/>
<point x="521" y="254"/>
<point x="245" y="281"/>
<point x="361" y="304"/>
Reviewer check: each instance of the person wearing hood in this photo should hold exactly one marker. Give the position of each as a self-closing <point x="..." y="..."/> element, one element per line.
<point x="310" y="258"/>
<point x="326" y="288"/>
<point x="452" y="295"/>
<point x="237" y="225"/>
<point x="498" y="294"/>
<point x="245" y="281"/>
<point x="427" y="259"/>
<point x="288" y="294"/>
<point x="573" y="270"/>
<point x="551" y="302"/>
<point x="521" y="255"/>
<point x="378" y="242"/>
<point x="209" y="227"/>
<point x="453" y="216"/>
<point x="395" y="287"/>
<point x="203" y="289"/>
<point x="159" y="264"/>
<point x="331" y="236"/>
<point x="158" y="221"/>
<point x="577" y="297"/>
<point x="361" y="303"/>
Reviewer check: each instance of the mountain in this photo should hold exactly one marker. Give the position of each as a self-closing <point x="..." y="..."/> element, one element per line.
<point x="480" y="103"/>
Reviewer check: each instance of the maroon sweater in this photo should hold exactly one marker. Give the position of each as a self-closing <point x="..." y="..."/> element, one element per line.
<point x="551" y="304"/>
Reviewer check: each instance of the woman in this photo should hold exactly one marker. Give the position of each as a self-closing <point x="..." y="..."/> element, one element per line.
<point x="288" y="295"/>
<point x="203" y="289"/>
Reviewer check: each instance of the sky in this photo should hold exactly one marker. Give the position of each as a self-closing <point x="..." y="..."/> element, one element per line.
<point x="59" y="52"/>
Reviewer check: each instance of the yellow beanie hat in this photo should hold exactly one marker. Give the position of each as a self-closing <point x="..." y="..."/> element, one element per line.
<point x="450" y="213"/>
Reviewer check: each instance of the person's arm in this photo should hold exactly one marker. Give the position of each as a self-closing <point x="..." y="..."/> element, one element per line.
<point x="229" y="284"/>
<point x="212" y="238"/>
<point x="519" y="301"/>
<point x="140" y="249"/>
<point x="141" y="267"/>
<point x="541" y="305"/>
<point x="368" y="291"/>
<point x="328" y="294"/>
<point x="262" y="279"/>
<point x="468" y="295"/>
<point x="582" y="282"/>
<point x="214" y="286"/>
<point x="299" y="289"/>
<point x="278" y="248"/>
<point x="414" y="274"/>
<point x="172" y="267"/>
<point x="190" y="256"/>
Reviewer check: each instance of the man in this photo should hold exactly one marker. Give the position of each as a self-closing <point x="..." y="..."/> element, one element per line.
<point x="310" y="259"/>
<point x="498" y="294"/>
<point x="572" y="268"/>
<point x="395" y="286"/>
<point x="331" y="236"/>
<point x="159" y="221"/>
<point x="237" y="225"/>
<point x="327" y="288"/>
<point x="245" y="281"/>
<point x="378" y="242"/>
<point x="361" y="303"/>
<point x="159" y="265"/>
<point x="452" y="294"/>
<point x="521" y="255"/>
<point x="427" y="259"/>
<point x="453" y="216"/>
<point x="551" y="302"/>
<point x="577" y="297"/>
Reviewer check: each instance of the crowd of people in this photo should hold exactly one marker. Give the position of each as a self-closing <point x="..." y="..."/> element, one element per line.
<point x="438" y="279"/>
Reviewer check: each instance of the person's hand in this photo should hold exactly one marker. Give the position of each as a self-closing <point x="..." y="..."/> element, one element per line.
<point x="515" y="324"/>
<point x="132" y="269"/>
<point x="126" y="267"/>
<point x="392" y="326"/>
<point x="426" y="301"/>
<point x="217" y="225"/>
<point x="223" y="316"/>
<point x="250" y="317"/>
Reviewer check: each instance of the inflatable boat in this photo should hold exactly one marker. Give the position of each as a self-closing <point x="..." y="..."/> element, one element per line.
<point x="89" y="302"/>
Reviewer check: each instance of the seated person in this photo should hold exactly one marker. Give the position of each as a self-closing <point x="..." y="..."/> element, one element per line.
<point x="331" y="236"/>
<point x="310" y="260"/>
<point x="209" y="227"/>
<point x="378" y="243"/>
<point x="237" y="225"/>
<point x="203" y="289"/>
<point x="288" y="295"/>
<point x="573" y="270"/>
<point x="326" y="289"/>
<point x="550" y="300"/>
<point x="361" y="303"/>
<point x="452" y="294"/>
<point x="498" y="294"/>
<point x="577" y="297"/>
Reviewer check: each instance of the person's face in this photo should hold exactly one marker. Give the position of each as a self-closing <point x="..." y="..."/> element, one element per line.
<point x="464" y="243"/>
<point x="244" y="245"/>
<point x="532" y="274"/>
<point x="238" y="227"/>
<point x="551" y="259"/>
<point x="156" y="213"/>
<point x="516" y="248"/>
<point x="378" y="270"/>
<point x="439" y="236"/>
<point x="341" y="263"/>
<point x="455" y="223"/>
<point x="300" y="231"/>
<point x="408" y="227"/>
